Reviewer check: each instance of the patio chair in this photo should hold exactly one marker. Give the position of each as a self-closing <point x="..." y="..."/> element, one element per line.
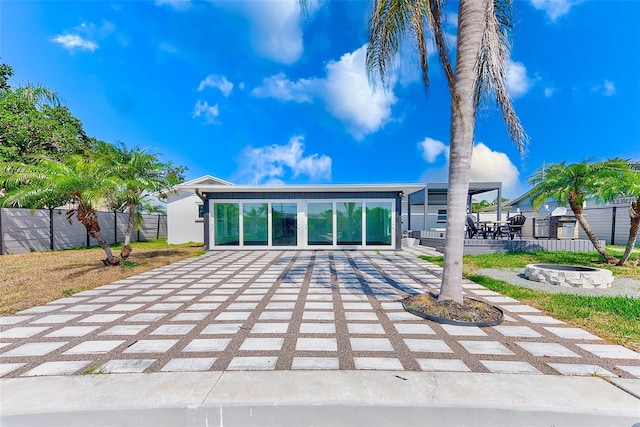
<point x="512" y="228"/>
<point x="472" y="230"/>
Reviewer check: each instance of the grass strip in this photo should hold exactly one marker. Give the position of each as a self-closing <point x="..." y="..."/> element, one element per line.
<point x="614" y="318"/>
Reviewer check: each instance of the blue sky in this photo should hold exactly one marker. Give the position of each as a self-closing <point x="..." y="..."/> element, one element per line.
<point x="253" y="92"/>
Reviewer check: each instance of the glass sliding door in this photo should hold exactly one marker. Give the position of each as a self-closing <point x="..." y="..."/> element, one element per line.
<point x="379" y="223"/>
<point x="255" y="225"/>
<point x="226" y="224"/>
<point x="349" y="216"/>
<point x="320" y="224"/>
<point x="284" y="224"/>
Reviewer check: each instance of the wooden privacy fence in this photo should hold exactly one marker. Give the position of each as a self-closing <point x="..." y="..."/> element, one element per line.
<point x="29" y="230"/>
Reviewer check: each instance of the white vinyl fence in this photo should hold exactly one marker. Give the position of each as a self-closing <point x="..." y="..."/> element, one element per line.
<point x="27" y="230"/>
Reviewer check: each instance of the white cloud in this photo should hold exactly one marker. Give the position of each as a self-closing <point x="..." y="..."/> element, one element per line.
<point x="555" y="8"/>
<point x="275" y="26"/>
<point x="518" y="83"/>
<point x="549" y="91"/>
<point x="83" y="36"/>
<point x="176" y="4"/>
<point x="168" y="47"/>
<point x="208" y="112"/>
<point x="270" y="164"/>
<point x="279" y="87"/>
<point x="345" y="91"/>
<point x="607" y="88"/>
<point x="493" y="166"/>
<point x="432" y="148"/>
<point x="74" y="41"/>
<point x="217" y="82"/>
<point x="350" y="98"/>
<point x="486" y="166"/>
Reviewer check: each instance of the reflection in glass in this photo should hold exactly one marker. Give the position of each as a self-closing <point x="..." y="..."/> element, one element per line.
<point x="255" y="224"/>
<point x="227" y="224"/>
<point x="284" y="224"/>
<point x="320" y="223"/>
<point x="349" y="223"/>
<point x="379" y="223"/>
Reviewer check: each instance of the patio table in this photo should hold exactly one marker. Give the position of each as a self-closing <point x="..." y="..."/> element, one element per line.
<point x="491" y="227"/>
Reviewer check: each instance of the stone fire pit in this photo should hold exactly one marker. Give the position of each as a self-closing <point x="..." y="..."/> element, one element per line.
<point x="571" y="276"/>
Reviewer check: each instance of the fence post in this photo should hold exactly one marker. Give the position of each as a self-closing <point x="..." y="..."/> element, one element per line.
<point x="1" y="235"/>
<point x="158" y="228"/>
<point x="613" y="226"/>
<point x="115" y="227"/>
<point x="51" y="243"/>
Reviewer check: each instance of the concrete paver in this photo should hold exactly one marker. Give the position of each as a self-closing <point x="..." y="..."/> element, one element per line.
<point x="298" y="313"/>
<point x="267" y="309"/>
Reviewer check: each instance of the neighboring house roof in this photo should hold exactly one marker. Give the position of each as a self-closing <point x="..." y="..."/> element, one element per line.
<point x="205" y="180"/>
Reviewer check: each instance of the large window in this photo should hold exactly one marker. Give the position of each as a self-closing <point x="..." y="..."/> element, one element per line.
<point x="284" y="218"/>
<point x="327" y="223"/>
<point x="320" y="223"/>
<point x="255" y="224"/>
<point x="379" y="223"/>
<point x="227" y="224"/>
<point x="349" y="223"/>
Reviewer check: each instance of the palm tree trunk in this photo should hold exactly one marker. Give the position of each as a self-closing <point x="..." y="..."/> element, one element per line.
<point x="126" y="247"/>
<point x="634" y="214"/>
<point x="471" y="16"/>
<point x="577" y="211"/>
<point x="89" y="218"/>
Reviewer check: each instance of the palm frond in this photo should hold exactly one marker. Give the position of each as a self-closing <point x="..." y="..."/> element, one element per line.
<point x="492" y="62"/>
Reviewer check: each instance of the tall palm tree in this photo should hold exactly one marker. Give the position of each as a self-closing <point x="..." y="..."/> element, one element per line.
<point x="573" y="184"/>
<point x="140" y="172"/>
<point x="482" y="51"/>
<point x="79" y="181"/>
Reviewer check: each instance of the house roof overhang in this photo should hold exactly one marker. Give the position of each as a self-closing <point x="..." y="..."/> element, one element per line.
<point x="440" y="188"/>
<point x="299" y="188"/>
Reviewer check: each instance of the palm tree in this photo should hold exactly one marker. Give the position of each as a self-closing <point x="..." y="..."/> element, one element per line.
<point x="572" y="184"/>
<point x="633" y="192"/>
<point x="624" y="183"/>
<point x="79" y="181"/>
<point x="482" y="53"/>
<point x="140" y="172"/>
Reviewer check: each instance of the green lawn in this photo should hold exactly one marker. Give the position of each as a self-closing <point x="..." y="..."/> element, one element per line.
<point x="614" y="318"/>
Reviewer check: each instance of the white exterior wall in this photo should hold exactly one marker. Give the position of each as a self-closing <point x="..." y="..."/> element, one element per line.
<point x="183" y="224"/>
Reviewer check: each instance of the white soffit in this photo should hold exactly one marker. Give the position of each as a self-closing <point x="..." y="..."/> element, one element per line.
<point x="326" y="188"/>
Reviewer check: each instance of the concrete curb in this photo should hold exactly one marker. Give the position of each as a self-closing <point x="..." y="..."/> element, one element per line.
<point x="322" y="398"/>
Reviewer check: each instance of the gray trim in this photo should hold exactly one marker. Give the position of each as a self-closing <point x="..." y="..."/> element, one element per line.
<point x="398" y="210"/>
<point x="388" y="195"/>
<point x="206" y="225"/>
<point x="302" y="195"/>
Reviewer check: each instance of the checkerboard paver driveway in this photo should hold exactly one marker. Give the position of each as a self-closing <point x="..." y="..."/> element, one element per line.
<point x="290" y="310"/>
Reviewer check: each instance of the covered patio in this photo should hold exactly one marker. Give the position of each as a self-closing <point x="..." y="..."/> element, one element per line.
<point x="431" y="202"/>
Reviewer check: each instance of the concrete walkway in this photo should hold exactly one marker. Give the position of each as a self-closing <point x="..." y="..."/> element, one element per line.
<point x="318" y="319"/>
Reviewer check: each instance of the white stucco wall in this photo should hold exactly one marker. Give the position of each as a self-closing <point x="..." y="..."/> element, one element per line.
<point x="183" y="224"/>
